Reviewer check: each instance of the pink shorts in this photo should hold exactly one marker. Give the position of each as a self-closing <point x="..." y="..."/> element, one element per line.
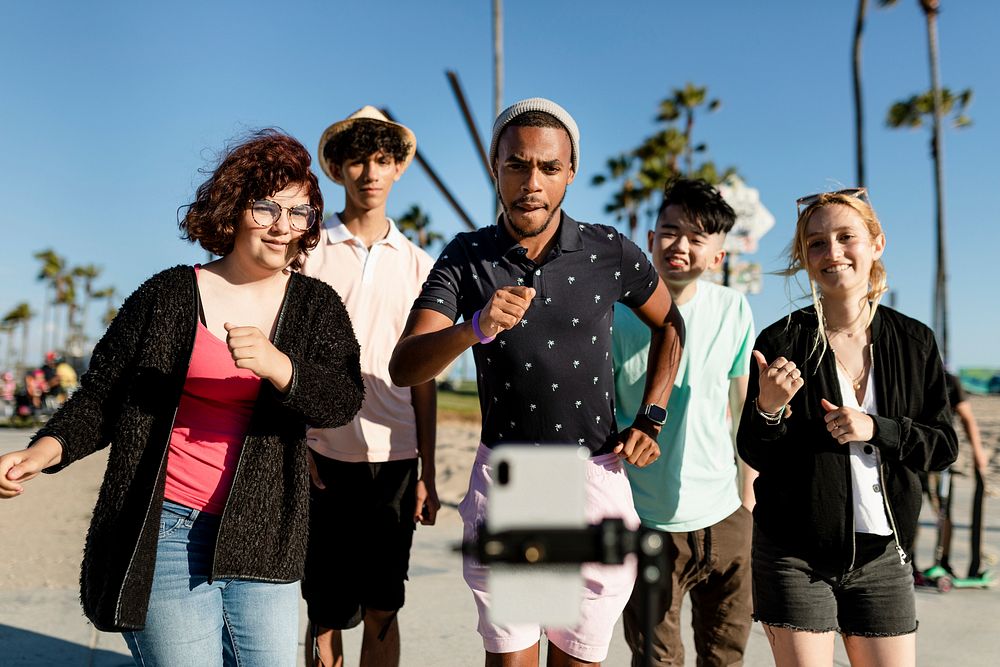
<point x="607" y="587"/>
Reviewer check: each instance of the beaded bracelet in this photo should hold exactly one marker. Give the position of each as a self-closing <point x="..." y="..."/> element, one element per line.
<point x="770" y="418"/>
<point x="483" y="338"/>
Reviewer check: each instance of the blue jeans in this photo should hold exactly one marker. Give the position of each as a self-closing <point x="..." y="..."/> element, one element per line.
<point x="227" y="622"/>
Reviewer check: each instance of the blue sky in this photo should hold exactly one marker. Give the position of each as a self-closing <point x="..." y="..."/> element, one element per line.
<point x="111" y="108"/>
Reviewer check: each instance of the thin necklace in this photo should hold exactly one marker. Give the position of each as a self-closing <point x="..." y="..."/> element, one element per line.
<point x="850" y="334"/>
<point x="855" y="381"/>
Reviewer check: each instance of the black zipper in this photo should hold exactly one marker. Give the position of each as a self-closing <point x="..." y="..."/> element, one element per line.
<point x="166" y="450"/>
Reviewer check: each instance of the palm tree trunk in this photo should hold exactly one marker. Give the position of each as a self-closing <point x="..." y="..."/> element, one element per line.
<point x="688" y="148"/>
<point x="45" y="317"/>
<point x="859" y="126"/>
<point x="930" y="8"/>
<point x="70" y="327"/>
<point x="24" y="345"/>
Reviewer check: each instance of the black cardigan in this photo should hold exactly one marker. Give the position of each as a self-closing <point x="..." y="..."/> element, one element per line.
<point x="804" y="497"/>
<point x="128" y="398"/>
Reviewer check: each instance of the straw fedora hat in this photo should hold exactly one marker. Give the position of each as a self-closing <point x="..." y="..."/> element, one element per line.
<point x="366" y="112"/>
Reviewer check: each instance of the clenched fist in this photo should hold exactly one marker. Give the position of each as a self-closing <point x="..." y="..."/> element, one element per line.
<point x="252" y="350"/>
<point x="505" y="309"/>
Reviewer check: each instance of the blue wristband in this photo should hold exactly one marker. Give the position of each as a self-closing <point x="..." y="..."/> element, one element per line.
<point x="483" y="338"/>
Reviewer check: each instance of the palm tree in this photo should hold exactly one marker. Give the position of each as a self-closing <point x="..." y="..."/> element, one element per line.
<point x="66" y="297"/>
<point x="52" y="268"/>
<point x="110" y="311"/>
<point x="625" y="203"/>
<point x="683" y="102"/>
<point x="88" y="273"/>
<point x="931" y="9"/>
<point x="8" y="328"/>
<point x="20" y="315"/>
<point x="415" y="225"/>
<point x="643" y="171"/>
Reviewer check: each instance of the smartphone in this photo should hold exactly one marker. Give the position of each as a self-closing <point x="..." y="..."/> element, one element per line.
<point x="536" y="486"/>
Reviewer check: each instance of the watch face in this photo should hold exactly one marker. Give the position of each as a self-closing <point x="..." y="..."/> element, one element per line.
<point x="656" y="414"/>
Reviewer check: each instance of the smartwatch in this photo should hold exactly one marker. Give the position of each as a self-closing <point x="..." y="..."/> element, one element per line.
<point x="654" y="413"/>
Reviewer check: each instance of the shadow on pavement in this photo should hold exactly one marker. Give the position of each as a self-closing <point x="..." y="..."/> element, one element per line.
<point x="24" y="648"/>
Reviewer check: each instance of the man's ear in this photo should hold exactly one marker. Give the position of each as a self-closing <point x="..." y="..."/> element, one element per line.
<point x="650" y="235"/>
<point x="717" y="260"/>
<point x="572" y="175"/>
<point x="338" y="173"/>
<point x="397" y="170"/>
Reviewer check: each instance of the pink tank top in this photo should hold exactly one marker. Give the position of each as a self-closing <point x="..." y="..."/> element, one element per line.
<point x="211" y="422"/>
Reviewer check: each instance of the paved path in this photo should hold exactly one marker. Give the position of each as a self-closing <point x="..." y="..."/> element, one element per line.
<point x="41" y="536"/>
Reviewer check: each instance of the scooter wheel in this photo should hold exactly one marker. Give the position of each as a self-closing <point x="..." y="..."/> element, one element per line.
<point x="945" y="583"/>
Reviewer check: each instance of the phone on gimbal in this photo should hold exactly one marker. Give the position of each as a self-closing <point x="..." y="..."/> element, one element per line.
<point x="536" y="487"/>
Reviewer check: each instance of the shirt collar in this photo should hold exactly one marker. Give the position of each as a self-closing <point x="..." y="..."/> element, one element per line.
<point x="337" y="232"/>
<point x="568" y="237"/>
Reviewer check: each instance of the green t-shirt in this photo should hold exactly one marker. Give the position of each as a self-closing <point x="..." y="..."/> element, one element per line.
<point x="693" y="483"/>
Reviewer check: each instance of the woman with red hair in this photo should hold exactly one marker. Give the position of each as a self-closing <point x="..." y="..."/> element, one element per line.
<point x="204" y="385"/>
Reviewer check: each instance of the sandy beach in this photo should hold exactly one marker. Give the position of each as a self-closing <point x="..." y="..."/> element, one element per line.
<point x="42" y="534"/>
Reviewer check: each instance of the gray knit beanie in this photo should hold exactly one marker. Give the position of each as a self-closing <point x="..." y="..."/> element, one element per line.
<point x="545" y="106"/>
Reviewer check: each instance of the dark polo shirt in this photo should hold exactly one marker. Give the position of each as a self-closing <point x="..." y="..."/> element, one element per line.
<point x="550" y="378"/>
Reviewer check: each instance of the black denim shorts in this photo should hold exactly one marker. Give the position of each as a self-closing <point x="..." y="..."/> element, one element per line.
<point x="360" y="534"/>
<point x="873" y="599"/>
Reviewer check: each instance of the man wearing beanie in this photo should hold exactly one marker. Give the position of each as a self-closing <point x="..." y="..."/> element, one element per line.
<point x="536" y="293"/>
<point x="368" y="492"/>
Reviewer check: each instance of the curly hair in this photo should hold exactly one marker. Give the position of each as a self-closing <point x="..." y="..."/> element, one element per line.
<point x="367" y="136"/>
<point x="262" y="164"/>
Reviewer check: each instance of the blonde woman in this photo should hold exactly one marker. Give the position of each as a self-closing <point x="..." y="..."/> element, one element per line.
<point x="848" y="405"/>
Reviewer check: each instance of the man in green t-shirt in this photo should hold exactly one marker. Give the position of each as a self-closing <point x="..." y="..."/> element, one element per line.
<point x="693" y="492"/>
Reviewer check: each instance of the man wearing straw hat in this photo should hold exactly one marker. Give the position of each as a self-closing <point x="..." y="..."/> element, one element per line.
<point x="537" y="292"/>
<point x="368" y="491"/>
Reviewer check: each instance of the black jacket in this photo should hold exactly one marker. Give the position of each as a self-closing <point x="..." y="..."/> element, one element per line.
<point x="128" y="398"/>
<point x="804" y="498"/>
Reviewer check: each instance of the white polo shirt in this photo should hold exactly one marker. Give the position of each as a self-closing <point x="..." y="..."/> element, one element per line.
<point x="378" y="287"/>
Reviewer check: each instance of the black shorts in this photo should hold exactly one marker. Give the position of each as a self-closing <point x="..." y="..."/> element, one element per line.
<point x="875" y="599"/>
<point x="360" y="532"/>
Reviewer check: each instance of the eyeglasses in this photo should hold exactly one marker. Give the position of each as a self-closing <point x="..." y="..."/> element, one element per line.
<point x="809" y="200"/>
<point x="266" y="212"/>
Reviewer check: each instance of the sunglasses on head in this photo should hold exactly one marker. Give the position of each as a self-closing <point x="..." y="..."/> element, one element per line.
<point x="809" y="200"/>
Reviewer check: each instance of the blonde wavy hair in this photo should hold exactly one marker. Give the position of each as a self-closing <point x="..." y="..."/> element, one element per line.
<point x="798" y="252"/>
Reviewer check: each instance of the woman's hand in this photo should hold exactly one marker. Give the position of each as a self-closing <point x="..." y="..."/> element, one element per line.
<point x="779" y="381"/>
<point x="21" y="466"/>
<point x="253" y="351"/>
<point x="847" y="424"/>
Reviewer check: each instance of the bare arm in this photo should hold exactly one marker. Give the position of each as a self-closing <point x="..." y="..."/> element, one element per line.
<point x="424" y="399"/>
<point x="431" y="340"/>
<point x="746" y="474"/>
<point x="979" y="458"/>
<point x="21" y="466"/>
<point x="638" y="442"/>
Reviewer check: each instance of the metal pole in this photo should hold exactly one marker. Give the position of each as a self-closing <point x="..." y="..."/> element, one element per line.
<point x="470" y="122"/>
<point x="497" y="57"/>
<point x="497" y="75"/>
<point x="439" y="183"/>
